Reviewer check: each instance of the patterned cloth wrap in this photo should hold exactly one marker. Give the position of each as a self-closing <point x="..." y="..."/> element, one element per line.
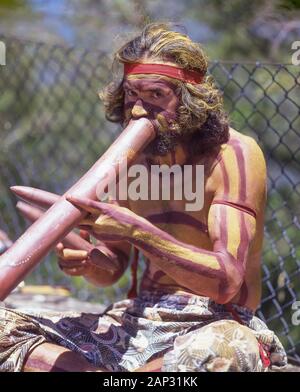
<point x="193" y="333"/>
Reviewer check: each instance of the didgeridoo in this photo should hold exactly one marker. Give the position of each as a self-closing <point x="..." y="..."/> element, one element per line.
<point x="63" y="216"/>
<point x="98" y="255"/>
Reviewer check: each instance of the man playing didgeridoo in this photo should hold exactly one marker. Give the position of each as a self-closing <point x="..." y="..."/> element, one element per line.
<point x="194" y="308"/>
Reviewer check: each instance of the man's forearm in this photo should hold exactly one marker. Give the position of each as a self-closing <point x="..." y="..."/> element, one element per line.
<point x="214" y="274"/>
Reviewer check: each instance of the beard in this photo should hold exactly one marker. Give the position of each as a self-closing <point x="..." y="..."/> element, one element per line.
<point x="164" y="142"/>
<point x="167" y="137"/>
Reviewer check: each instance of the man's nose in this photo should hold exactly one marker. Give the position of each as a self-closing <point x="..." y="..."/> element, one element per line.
<point x="138" y="110"/>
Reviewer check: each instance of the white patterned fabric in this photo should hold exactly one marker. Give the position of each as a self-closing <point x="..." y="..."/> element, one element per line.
<point x="193" y="333"/>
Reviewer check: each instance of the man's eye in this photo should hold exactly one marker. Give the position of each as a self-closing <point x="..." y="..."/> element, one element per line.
<point x="157" y="94"/>
<point x="130" y="93"/>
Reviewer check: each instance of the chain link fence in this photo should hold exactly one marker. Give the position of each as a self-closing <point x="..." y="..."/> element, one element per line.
<point x="53" y="129"/>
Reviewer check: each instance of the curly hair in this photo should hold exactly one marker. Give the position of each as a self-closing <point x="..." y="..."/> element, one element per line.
<point x="200" y="114"/>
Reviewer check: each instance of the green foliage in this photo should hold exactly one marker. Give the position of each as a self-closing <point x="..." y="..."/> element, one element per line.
<point x="289" y="4"/>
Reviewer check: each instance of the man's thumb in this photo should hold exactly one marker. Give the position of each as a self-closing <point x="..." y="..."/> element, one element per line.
<point x="85" y="235"/>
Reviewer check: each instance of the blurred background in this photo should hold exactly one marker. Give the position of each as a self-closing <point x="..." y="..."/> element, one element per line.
<point x="52" y="126"/>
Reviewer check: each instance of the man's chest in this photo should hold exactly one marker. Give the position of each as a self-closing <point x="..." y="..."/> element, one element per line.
<point x="176" y="218"/>
<point x="174" y="198"/>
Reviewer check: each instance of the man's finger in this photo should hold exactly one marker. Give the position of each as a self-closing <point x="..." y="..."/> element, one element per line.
<point x="85" y="235"/>
<point x="72" y="254"/>
<point x="79" y="271"/>
<point x="88" y="205"/>
<point x="59" y="248"/>
<point x="69" y="264"/>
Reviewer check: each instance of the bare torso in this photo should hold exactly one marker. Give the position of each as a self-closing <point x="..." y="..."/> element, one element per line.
<point x="191" y="227"/>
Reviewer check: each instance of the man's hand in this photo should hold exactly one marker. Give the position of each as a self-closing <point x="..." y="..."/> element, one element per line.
<point x="102" y="267"/>
<point x="74" y="262"/>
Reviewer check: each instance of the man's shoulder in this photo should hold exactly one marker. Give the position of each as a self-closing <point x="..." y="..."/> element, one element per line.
<point x="242" y="155"/>
<point x="242" y="147"/>
<point x="241" y="169"/>
<point x="236" y="137"/>
<point x="240" y="150"/>
<point x="236" y="140"/>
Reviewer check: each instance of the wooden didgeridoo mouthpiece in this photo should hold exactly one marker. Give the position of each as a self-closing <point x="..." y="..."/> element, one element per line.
<point x="72" y="240"/>
<point x="63" y="216"/>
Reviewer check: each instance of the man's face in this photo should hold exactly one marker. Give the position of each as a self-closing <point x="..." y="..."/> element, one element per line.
<point x="149" y="98"/>
<point x="155" y="99"/>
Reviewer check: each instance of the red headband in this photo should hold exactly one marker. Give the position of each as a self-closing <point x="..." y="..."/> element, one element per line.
<point x="192" y="77"/>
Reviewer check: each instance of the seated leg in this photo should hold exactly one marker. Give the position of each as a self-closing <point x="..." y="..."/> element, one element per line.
<point x="24" y="347"/>
<point x="48" y="357"/>
<point x="152" y="366"/>
<point x="221" y="346"/>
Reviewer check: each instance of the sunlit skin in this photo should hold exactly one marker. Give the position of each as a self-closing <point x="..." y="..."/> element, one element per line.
<point x="226" y="234"/>
<point x="214" y="252"/>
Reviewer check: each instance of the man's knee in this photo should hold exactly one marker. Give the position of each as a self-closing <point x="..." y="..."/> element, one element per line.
<point x="18" y="334"/>
<point x="12" y="320"/>
<point x="221" y="346"/>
